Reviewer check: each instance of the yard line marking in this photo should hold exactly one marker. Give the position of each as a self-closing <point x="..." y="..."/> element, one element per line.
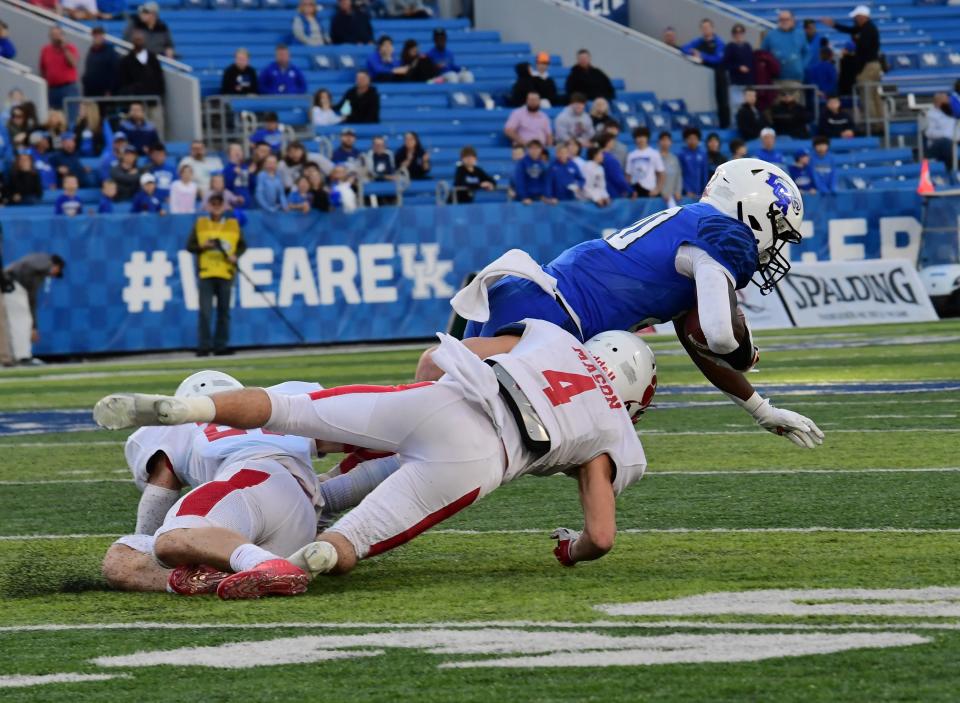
<point x="49" y="445"/>
<point x="626" y="531"/>
<point x="45" y="482"/>
<point x="20" y="681"/>
<point x="472" y="624"/>
<point x="672" y="433"/>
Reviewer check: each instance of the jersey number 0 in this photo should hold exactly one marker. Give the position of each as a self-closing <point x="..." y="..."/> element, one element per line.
<point x="623" y="238"/>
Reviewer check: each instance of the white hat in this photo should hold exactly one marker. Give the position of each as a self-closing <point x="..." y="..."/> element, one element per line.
<point x="147" y="178"/>
<point x="768" y="130"/>
<point x="860" y="10"/>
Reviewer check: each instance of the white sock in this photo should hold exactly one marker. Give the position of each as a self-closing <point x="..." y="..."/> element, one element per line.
<point x="247" y="556"/>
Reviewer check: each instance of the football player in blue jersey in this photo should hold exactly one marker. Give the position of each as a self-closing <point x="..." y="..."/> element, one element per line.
<point x="658" y="269"/>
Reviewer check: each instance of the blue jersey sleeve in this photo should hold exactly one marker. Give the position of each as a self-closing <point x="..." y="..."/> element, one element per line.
<point x="731" y="243"/>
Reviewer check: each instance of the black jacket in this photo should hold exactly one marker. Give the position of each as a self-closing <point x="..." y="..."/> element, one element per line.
<point x="750" y="121"/>
<point x="364" y="109"/>
<point x="466" y="183"/>
<point x="100" y="71"/>
<point x="833" y="124"/>
<point x="354" y="28"/>
<point x="789" y="118"/>
<point x="135" y="78"/>
<point x="237" y="82"/>
<point x="867" y="40"/>
<point x="592" y="82"/>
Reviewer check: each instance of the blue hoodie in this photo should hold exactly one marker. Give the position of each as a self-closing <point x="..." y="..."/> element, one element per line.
<point x="803" y="177"/>
<point x="559" y="179"/>
<point x="773" y="156"/>
<point x="271" y="137"/>
<point x="695" y="169"/>
<point x="825" y="174"/>
<point x="790" y="49"/>
<point x="530" y="179"/>
<point x="279" y="81"/>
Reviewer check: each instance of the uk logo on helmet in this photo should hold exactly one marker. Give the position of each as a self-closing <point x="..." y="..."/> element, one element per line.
<point x="784" y="198"/>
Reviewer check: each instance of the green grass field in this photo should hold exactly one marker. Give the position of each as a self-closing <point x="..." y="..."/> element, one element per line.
<point x="479" y="610"/>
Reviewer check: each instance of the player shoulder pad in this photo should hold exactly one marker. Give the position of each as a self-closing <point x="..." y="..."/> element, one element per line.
<point x="731" y="243"/>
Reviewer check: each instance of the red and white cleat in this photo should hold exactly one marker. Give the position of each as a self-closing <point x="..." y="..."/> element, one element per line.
<point x="195" y="579"/>
<point x="277" y="577"/>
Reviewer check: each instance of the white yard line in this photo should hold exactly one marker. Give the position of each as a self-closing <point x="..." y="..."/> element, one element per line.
<point x="45" y="482"/>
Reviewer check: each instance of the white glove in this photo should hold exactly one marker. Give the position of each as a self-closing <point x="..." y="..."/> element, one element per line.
<point x="800" y="430"/>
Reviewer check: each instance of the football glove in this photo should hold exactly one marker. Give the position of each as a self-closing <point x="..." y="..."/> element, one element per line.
<point x="565" y="538"/>
<point x="800" y="430"/>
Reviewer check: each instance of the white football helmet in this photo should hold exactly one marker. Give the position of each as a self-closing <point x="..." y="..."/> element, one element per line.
<point x="630" y="365"/>
<point x="207" y="383"/>
<point x="765" y="198"/>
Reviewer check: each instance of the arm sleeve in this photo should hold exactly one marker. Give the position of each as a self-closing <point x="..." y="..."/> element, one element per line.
<point x="717" y="56"/>
<point x="846" y="29"/>
<point x="713" y="297"/>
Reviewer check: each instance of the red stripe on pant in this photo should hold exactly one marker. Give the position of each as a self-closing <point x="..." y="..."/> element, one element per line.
<point x="201" y="500"/>
<point x="425" y="524"/>
<point x="347" y="390"/>
<point x="359" y="456"/>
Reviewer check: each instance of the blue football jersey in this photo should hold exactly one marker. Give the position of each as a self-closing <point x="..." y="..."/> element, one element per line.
<point x="629" y="278"/>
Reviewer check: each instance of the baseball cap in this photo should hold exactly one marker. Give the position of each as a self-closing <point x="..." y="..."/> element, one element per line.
<point x="147" y="178"/>
<point x="543" y="57"/>
<point x="768" y="131"/>
<point x="799" y="153"/>
<point x="860" y="10"/>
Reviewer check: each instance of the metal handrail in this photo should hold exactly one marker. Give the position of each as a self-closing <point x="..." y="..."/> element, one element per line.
<point x="16" y="66"/>
<point x="86" y="31"/>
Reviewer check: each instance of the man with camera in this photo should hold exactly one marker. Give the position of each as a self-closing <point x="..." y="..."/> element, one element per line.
<point x="218" y="242"/>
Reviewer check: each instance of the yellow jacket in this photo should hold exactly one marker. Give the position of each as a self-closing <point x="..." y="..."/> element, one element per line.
<point x="213" y="263"/>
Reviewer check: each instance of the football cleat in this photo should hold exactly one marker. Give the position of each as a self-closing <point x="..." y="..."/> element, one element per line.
<point x="195" y="579"/>
<point x="276" y="577"/>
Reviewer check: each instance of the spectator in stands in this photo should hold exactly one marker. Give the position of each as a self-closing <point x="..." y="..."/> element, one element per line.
<point x="320" y="199"/>
<point x="379" y="161"/>
<point x="258" y="155"/>
<point x="350" y="25"/>
<point x="616" y="180"/>
<point x="801" y="171"/>
<point x="281" y="77"/>
<point x="693" y="163"/>
<point x="269" y="132"/>
<point x="420" y="69"/>
<point x="528" y="123"/>
<point x="291" y="166"/>
<point x="834" y="120"/>
<point x="669" y="37"/>
<point x="66" y="161"/>
<point x="147" y="200"/>
<point x="158" y="39"/>
<point x="89" y="130"/>
<point x="111" y="158"/>
<point x="218" y="187"/>
<point x="822" y="73"/>
<point x="543" y="84"/>
<point x="413" y="157"/>
<point x="306" y="28"/>
<point x="347" y="151"/>
<point x="586" y="78"/>
<point x="58" y="66"/>
<point x="825" y="174"/>
<point x="738" y="60"/>
<point x="340" y="192"/>
<point x="236" y="173"/>
<point x="361" y="103"/>
<point x="55" y="126"/>
<point x="955" y="98"/>
<point x="530" y="175"/>
<point x="322" y="113"/>
<point x="594" y="179"/>
<point x="141" y="133"/>
<point x="300" y="198"/>
<point x="814" y="41"/>
<point x="750" y="121"/>
<point x="161" y="169"/>
<point x="108" y="193"/>
<point x="645" y="169"/>
<point x="564" y="179"/>
<point x="738" y="149"/>
<point x="100" y="66"/>
<point x="847" y="73"/>
<point x="672" y="189"/>
<point x="202" y="166"/>
<point x="715" y="157"/>
<point x="407" y="9"/>
<point x="18" y="126"/>
<point x="469" y="177"/>
<point x="126" y="174"/>
<point x="239" y="78"/>
<point x="67" y="203"/>
<point x="139" y="72"/>
<point x="573" y="122"/>
<point x="444" y="60"/>
<point x="522" y="86"/>
<point x="40" y="151"/>
<point x="768" y="148"/>
<point x="788" y="44"/>
<point x="599" y="113"/>
<point x="83" y="10"/>
<point x="381" y="65"/>
<point x="708" y="49"/>
<point x="617" y="148"/>
<point x="788" y="116"/>
<point x="7" y="49"/>
<point x="866" y="38"/>
<point x="25" y="187"/>
<point x="184" y="191"/>
<point x="940" y="130"/>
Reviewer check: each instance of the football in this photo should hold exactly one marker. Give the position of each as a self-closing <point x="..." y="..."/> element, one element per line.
<point x="694" y="334"/>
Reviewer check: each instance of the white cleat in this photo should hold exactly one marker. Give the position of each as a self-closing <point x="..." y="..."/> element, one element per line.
<point x="122" y="410"/>
<point x="316" y="558"/>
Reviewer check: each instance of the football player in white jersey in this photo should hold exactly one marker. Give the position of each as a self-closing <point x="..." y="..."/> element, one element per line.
<point x="255" y="496"/>
<point x="543" y="403"/>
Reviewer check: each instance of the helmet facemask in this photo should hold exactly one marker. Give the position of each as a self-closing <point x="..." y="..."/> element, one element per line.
<point x="773" y="264"/>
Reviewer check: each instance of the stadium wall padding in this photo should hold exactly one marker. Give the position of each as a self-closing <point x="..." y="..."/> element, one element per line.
<point x="377" y="274"/>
